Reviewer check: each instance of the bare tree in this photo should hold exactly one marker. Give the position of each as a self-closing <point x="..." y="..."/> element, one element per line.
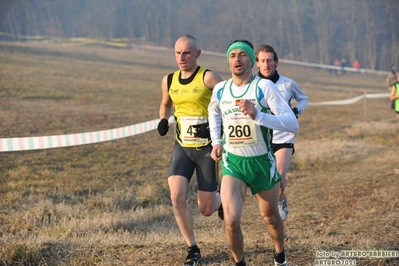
<point x="322" y="17"/>
<point x="314" y="31"/>
<point x="299" y="33"/>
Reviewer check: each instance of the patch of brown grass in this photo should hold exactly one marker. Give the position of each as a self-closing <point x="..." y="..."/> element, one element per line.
<point x="108" y="203"/>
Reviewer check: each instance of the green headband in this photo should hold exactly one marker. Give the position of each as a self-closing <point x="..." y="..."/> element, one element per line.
<point x="243" y="46"/>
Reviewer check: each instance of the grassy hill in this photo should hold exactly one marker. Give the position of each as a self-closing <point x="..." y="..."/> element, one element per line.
<point x="108" y="203"/>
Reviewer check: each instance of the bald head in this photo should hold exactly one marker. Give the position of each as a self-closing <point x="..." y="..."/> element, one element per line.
<point x="188" y="39"/>
<point x="186" y="53"/>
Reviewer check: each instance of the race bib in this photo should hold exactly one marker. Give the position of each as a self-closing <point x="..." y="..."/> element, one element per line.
<point x="240" y="132"/>
<point x="188" y="131"/>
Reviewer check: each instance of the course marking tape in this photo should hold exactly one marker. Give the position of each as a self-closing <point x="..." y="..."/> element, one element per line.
<point x="57" y="141"/>
<point x="353" y="100"/>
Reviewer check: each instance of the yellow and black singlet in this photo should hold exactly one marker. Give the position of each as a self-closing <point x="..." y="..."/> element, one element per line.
<point x="190" y="100"/>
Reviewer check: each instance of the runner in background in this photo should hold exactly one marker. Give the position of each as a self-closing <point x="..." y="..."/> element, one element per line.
<point x="283" y="141"/>
<point x="394" y="97"/>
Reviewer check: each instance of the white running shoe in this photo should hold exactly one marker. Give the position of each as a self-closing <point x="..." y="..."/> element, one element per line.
<point x="283" y="209"/>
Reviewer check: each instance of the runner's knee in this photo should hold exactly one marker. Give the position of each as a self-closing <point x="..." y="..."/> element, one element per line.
<point x="271" y="218"/>
<point x="231" y="222"/>
<point x="178" y="200"/>
<point x="206" y="210"/>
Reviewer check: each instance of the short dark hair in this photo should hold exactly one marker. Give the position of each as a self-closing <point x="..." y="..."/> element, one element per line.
<point x="267" y="49"/>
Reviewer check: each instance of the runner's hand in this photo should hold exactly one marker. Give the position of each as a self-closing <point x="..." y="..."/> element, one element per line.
<point x="202" y="131"/>
<point x="163" y="126"/>
<point x="216" y="153"/>
<point x="296" y="112"/>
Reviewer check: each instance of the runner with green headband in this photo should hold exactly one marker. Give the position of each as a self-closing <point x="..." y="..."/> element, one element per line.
<point x="243" y="46"/>
<point x="249" y="108"/>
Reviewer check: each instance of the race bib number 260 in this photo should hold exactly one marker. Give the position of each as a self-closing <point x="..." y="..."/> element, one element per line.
<point x="241" y="134"/>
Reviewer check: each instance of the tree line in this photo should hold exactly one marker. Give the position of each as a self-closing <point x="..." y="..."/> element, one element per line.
<point x="308" y="30"/>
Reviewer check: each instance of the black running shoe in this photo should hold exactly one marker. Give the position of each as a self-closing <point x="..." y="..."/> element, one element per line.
<point x="242" y="263"/>
<point x="220" y="212"/>
<point x="193" y="258"/>
<point x="220" y="209"/>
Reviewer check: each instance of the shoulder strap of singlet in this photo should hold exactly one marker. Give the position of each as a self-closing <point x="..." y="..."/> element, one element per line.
<point x="220" y="92"/>
<point x="258" y="95"/>
<point x="170" y="77"/>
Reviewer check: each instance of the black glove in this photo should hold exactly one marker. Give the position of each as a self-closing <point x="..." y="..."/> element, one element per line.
<point x="296" y="112"/>
<point x="163" y="126"/>
<point x="202" y="131"/>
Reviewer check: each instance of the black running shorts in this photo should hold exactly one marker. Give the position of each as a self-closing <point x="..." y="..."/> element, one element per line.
<point x="185" y="160"/>
<point x="277" y="146"/>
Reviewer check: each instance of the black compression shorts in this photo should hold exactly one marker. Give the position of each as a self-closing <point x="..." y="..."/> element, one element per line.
<point x="185" y="160"/>
<point x="277" y="146"/>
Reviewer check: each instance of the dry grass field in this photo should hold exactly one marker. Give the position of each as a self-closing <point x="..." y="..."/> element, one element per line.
<point x="108" y="203"/>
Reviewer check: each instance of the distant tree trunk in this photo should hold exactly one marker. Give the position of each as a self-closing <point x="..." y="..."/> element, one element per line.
<point x="393" y="19"/>
<point x="299" y="38"/>
<point x="352" y="30"/>
<point x="280" y="28"/>
<point x="323" y="29"/>
<point x="286" y="31"/>
<point x="129" y="25"/>
<point x="167" y="35"/>
<point x="371" y="40"/>
<point x="52" y="28"/>
<point x="15" y="25"/>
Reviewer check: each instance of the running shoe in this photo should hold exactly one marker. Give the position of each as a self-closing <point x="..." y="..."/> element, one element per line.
<point x="242" y="263"/>
<point x="285" y="263"/>
<point x="193" y="257"/>
<point x="283" y="209"/>
<point x="220" y="209"/>
<point x="220" y="212"/>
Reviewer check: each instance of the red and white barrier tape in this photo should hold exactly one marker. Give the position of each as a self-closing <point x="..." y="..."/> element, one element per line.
<point x="57" y="141"/>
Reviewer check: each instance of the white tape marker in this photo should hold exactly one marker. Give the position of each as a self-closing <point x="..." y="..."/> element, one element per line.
<point x="57" y="141"/>
<point x="352" y="100"/>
